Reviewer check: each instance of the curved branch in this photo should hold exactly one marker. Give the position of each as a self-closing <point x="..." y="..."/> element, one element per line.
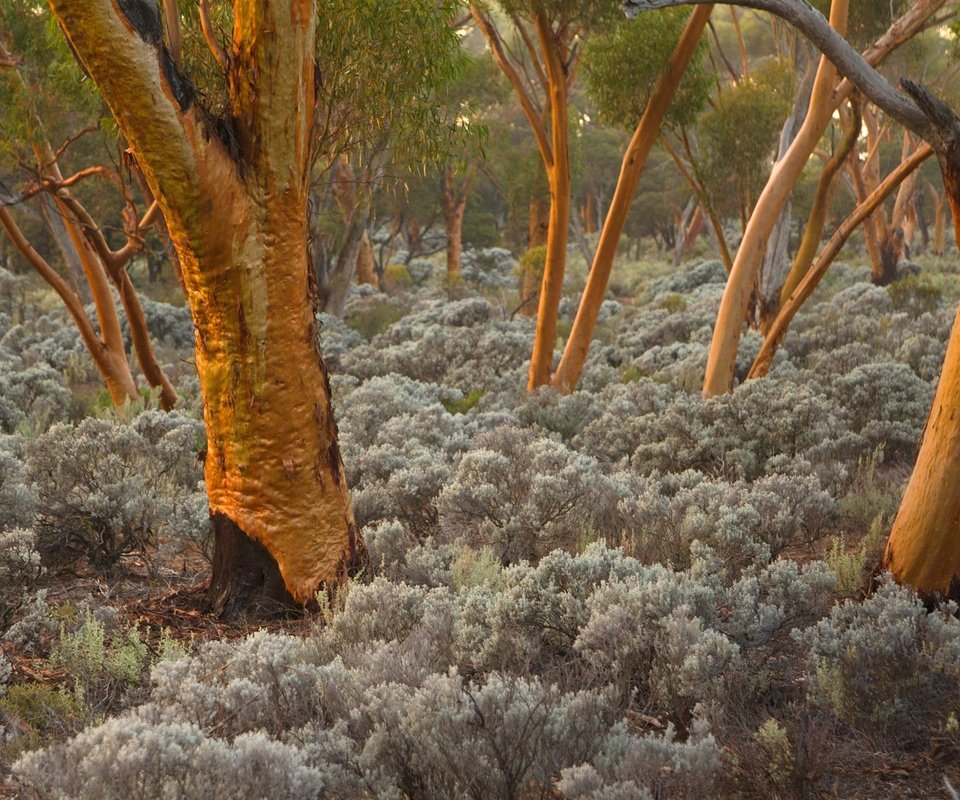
<point x="526" y="102"/>
<point x="778" y="329"/>
<point x="57" y="283"/>
<point x="848" y="61"/>
<point x="210" y="36"/>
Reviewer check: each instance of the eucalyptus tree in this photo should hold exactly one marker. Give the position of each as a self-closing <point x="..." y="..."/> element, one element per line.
<point x="542" y="68"/>
<point x="826" y="96"/>
<point x="924" y="545"/>
<point x="657" y="54"/>
<point x="476" y="98"/>
<point x="41" y="96"/>
<point x="227" y="140"/>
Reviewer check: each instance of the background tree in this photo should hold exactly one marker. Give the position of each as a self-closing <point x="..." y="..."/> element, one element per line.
<point x="664" y="50"/>
<point x="41" y="91"/>
<point x="550" y="33"/>
<point x="923" y="549"/>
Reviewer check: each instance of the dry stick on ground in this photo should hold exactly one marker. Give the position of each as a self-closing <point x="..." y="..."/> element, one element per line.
<point x="805" y="287"/>
<point x="924" y="545"/>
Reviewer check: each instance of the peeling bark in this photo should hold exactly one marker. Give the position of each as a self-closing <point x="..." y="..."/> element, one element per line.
<point x="237" y="217"/>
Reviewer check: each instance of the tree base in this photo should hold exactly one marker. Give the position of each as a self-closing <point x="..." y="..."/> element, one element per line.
<point x="245" y="580"/>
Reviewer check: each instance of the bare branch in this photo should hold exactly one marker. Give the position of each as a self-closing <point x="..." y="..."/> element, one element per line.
<point x="211" y="37"/>
<point x="171" y="13"/>
<point x="50" y="185"/>
<point x="847" y="60"/>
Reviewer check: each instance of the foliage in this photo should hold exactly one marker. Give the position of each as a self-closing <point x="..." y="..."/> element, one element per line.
<point x="738" y="152"/>
<point x="631" y="55"/>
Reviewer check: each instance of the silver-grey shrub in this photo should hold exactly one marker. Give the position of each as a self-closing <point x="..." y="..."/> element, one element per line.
<point x="525" y="495"/>
<point x="887" y="666"/>
<point x="35" y="393"/>
<point x="20" y="569"/>
<point x="107" y="489"/>
<point x="18" y="497"/>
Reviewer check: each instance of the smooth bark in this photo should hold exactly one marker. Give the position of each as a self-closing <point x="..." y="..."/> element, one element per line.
<point x="641" y="143"/>
<point x="746" y="265"/>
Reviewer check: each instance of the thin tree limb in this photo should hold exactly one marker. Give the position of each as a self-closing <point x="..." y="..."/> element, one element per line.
<point x="778" y="329"/>
<point x="488" y="29"/>
<point x="847" y="60"/>
<point x="210" y="35"/>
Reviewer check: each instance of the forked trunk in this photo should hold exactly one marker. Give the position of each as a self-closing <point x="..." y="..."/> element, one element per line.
<point x="743" y="277"/>
<point x="454" y="208"/>
<point x="237" y="216"/>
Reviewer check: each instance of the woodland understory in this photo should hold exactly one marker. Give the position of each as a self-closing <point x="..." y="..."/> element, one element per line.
<point x="495" y="400"/>
<point x="624" y="592"/>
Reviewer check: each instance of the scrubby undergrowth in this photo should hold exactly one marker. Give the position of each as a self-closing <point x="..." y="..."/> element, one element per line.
<point x="627" y="592"/>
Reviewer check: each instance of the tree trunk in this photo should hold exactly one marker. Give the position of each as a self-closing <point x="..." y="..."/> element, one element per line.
<point x="558" y="176"/>
<point x="891" y="254"/>
<point x="634" y="160"/>
<point x="366" y="263"/>
<point x="924" y="545"/>
<point x="939" y="222"/>
<point x="813" y="232"/>
<point x="454" y="225"/>
<point x="237" y="216"/>
<point x="245" y="577"/>
<point x="774" y="267"/>
<point x="589" y="212"/>
<point x="536" y="237"/>
<point x="694" y="229"/>
<point x="740" y="285"/>
<point x="454" y="208"/>
<point x="53" y="222"/>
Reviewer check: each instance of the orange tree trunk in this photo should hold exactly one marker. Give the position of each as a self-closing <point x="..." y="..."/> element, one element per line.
<point x="558" y="176"/>
<point x="366" y="263"/>
<point x="924" y="545"/>
<point x="740" y="285"/>
<point x="536" y="238"/>
<point x="634" y="160"/>
<point x="454" y="208"/>
<point x="238" y="219"/>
